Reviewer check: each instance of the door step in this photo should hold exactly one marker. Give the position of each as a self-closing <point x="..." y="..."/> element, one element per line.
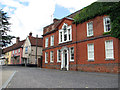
<point x="64" y="69"/>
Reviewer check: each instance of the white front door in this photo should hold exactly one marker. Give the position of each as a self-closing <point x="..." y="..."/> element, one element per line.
<point x="65" y="61"/>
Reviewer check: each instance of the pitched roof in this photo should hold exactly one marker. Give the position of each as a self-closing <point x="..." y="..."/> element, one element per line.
<point x="69" y="17"/>
<point x="56" y="24"/>
<point x="33" y="41"/>
<point x="14" y="46"/>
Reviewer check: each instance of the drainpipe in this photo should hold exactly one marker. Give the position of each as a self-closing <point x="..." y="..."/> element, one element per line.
<point x="36" y="49"/>
<point x="76" y="48"/>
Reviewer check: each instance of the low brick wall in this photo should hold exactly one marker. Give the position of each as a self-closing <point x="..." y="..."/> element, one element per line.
<point x="51" y="66"/>
<point x="108" y="68"/>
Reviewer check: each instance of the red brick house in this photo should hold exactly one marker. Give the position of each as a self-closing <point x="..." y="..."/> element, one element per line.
<point x="82" y="47"/>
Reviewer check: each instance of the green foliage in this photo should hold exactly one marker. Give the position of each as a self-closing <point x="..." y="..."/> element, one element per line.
<point x="4" y="29"/>
<point x="102" y="8"/>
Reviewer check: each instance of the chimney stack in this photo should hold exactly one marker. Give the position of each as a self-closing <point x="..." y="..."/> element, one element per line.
<point x="55" y="20"/>
<point x="30" y="34"/>
<point x="17" y="40"/>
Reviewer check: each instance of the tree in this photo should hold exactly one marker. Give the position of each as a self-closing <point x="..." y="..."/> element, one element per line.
<point x="4" y="29"/>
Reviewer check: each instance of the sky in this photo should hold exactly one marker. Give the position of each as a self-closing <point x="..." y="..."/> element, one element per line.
<point x="32" y="15"/>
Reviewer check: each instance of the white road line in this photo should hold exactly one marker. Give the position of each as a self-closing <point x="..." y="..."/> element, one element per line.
<point x="6" y="83"/>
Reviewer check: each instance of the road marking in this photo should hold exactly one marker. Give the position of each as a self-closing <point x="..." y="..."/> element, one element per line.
<point x="6" y="83"/>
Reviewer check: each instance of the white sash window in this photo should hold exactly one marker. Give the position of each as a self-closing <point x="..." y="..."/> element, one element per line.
<point x="90" y="52"/>
<point x="109" y="49"/>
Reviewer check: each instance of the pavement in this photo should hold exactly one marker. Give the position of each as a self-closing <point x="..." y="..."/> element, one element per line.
<point x="26" y="77"/>
<point x="5" y="77"/>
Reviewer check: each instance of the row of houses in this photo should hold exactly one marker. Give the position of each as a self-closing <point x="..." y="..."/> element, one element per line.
<point x="23" y="52"/>
<point x="67" y="46"/>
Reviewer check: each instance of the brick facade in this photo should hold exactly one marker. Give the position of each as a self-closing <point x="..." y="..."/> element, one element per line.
<point x="79" y="42"/>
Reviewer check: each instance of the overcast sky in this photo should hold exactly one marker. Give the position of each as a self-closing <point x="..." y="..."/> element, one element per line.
<point x="32" y="15"/>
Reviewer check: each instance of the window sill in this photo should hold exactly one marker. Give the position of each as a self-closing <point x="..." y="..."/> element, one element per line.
<point x="90" y="36"/>
<point x="64" y="42"/>
<point x="107" y="59"/>
<point x="58" y="61"/>
<point x="71" y="60"/>
<point x="91" y="60"/>
<point x="107" y="31"/>
<point x="51" y="45"/>
<point x="51" y="62"/>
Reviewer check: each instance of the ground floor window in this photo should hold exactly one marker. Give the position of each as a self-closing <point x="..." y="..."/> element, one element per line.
<point x="58" y="56"/>
<point x="109" y="49"/>
<point x="51" y="56"/>
<point x="90" y="52"/>
<point x="46" y="57"/>
<point x="72" y="54"/>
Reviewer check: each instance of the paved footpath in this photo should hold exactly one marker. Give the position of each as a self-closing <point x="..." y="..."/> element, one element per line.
<point x="26" y="77"/>
<point x="5" y="76"/>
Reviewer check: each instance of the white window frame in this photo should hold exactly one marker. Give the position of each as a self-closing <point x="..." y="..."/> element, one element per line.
<point x="61" y="39"/>
<point x="89" y="30"/>
<point x="18" y="50"/>
<point x="70" y="54"/>
<point x="52" y="41"/>
<point x="107" y="48"/>
<point x="46" y="57"/>
<point x="46" y="42"/>
<point x="104" y="20"/>
<point x="13" y="51"/>
<point x="58" y="60"/>
<point x="89" y="50"/>
<point x="26" y="51"/>
<point x="51" y="55"/>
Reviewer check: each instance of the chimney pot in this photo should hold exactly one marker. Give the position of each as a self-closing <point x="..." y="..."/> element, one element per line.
<point x="30" y="34"/>
<point x="17" y="40"/>
<point x="55" y="20"/>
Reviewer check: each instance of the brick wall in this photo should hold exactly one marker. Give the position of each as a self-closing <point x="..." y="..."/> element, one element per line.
<point x="80" y="48"/>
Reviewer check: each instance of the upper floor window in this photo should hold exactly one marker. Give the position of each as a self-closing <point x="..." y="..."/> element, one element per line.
<point x="13" y="52"/>
<point x="90" y="29"/>
<point x="90" y="52"/>
<point x="107" y="26"/>
<point x="26" y="49"/>
<point x="72" y="54"/>
<point x="51" y="56"/>
<point x="109" y="49"/>
<point x="52" y="40"/>
<point x="46" y="57"/>
<point x="65" y="34"/>
<point x="58" y="56"/>
<point x="18" y="50"/>
<point x="46" y="42"/>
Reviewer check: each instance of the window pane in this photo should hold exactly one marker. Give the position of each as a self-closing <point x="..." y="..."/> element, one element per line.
<point x="72" y="53"/>
<point x="90" y="51"/>
<point x="109" y="49"/>
<point x="107" y="24"/>
<point x="89" y="29"/>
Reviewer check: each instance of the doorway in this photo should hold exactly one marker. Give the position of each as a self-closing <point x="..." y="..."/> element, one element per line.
<point x="64" y="59"/>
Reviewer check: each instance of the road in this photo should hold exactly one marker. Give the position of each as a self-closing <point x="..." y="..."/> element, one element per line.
<point x="26" y="77"/>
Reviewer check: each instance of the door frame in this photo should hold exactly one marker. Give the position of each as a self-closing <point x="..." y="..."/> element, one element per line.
<point x="63" y="58"/>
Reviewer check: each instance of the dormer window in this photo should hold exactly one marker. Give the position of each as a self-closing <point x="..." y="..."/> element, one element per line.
<point x="65" y="34"/>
